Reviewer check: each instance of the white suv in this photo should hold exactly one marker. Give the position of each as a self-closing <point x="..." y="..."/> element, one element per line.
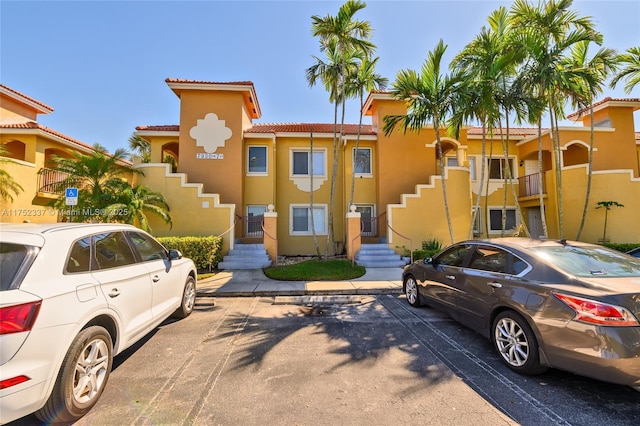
<point x="71" y="297"/>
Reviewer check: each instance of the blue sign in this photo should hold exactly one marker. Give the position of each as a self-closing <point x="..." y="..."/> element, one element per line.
<point x="71" y="196"/>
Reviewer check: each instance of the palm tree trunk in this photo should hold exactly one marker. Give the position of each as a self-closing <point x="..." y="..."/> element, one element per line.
<point x="555" y="137"/>
<point x="313" y="224"/>
<point x="589" y="174"/>
<point x="483" y="160"/>
<point x="543" y="214"/>
<point x="442" y="175"/>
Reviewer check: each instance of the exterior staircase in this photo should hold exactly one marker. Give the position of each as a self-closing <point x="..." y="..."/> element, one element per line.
<point x="378" y="255"/>
<point x="246" y="256"/>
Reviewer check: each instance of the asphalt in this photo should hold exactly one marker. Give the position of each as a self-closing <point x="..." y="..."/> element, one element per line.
<point x="247" y="283"/>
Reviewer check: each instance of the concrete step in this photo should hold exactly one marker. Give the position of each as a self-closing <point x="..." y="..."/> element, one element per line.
<point x="246" y="256"/>
<point x="378" y="256"/>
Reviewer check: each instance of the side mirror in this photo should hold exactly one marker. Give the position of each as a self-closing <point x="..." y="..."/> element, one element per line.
<point x="427" y="260"/>
<point x="174" y="255"/>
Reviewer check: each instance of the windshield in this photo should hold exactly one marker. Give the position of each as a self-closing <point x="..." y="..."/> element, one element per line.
<point x="590" y="261"/>
<point x="14" y="259"/>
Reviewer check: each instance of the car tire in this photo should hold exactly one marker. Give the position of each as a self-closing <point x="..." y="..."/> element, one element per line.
<point x="188" y="299"/>
<point x="82" y="377"/>
<point x="516" y="344"/>
<point x="411" y="291"/>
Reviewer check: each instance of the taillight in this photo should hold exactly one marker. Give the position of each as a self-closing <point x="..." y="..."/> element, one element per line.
<point x="13" y="381"/>
<point x="595" y="312"/>
<point x="18" y="318"/>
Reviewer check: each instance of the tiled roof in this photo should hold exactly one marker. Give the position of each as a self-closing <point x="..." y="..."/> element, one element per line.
<point x="348" y="129"/>
<point x="229" y="83"/>
<point x="513" y="131"/>
<point x="17" y="95"/>
<point x="578" y="113"/>
<point x="35" y="126"/>
<point x="160" y="128"/>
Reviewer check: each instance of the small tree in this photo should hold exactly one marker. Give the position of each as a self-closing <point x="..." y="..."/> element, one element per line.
<point x="607" y="206"/>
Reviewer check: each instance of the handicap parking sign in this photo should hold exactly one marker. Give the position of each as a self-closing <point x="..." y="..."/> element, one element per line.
<point x="71" y="196"/>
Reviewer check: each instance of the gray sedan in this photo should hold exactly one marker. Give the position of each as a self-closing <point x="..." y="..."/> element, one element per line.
<point x="561" y="304"/>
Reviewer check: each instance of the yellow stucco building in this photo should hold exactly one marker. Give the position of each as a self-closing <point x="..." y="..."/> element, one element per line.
<point x="234" y="175"/>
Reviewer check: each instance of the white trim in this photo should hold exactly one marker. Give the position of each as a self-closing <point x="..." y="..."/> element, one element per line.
<point x="324" y="208"/>
<point x="307" y="150"/>
<point x="266" y="151"/>
<point x="353" y="162"/>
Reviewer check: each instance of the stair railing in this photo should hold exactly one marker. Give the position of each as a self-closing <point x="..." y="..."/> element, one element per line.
<point x="406" y="238"/>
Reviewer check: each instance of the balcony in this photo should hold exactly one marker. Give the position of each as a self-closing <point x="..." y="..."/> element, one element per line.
<point x="530" y="185"/>
<point x="49" y="182"/>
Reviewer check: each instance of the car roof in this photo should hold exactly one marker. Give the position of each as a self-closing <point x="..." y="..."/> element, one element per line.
<point x="31" y="233"/>
<point x="526" y="243"/>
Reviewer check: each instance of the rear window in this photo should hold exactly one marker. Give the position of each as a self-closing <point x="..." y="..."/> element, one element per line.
<point x="14" y="262"/>
<point x="590" y="262"/>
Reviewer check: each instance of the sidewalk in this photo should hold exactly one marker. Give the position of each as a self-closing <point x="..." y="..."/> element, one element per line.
<point x="238" y="283"/>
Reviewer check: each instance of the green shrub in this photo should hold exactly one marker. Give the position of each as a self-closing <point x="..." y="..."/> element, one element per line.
<point x="204" y="251"/>
<point x="623" y="247"/>
<point x="422" y="254"/>
<point x="432" y="245"/>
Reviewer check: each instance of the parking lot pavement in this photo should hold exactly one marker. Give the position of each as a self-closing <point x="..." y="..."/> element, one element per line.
<point x="253" y="282"/>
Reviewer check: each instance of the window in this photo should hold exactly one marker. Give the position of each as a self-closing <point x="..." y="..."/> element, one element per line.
<point x="301" y="220"/>
<point x="367" y="220"/>
<point x="453" y="162"/>
<point x="498" y="168"/>
<point x="147" y="248"/>
<point x="362" y="161"/>
<point x="455" y="256"/>
<point x="257" y="160"/>
<point x="112" y="250"/>
<point x="490" y="259"/>
<point x="302" y="163"/>
<point x="255" y="217"/>
<point x="80" y="256"/>
<point x="495" y="219"/>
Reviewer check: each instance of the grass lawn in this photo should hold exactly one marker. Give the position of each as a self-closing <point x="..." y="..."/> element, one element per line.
<point x="316" y="270"/>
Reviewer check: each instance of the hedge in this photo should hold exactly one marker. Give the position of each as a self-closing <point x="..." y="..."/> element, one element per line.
<point x="204" y="251"/>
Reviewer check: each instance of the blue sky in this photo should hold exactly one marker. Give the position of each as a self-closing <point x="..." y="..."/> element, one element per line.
<point x="102" y="64"/>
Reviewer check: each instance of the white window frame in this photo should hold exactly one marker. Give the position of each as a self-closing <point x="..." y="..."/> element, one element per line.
<point x="266" y="159"/>
<point x="452" y="161"/>
<point x="353" y="157"/>
<point x="321" y="212"/>
<point x="316" y="173"/>
<point x="499" y="209"/>
<point x="512" y="160"/>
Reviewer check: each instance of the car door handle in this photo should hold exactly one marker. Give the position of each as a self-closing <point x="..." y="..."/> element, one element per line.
<point x="450" y="277"/>
<point x="155" y="278"/>
<point x="114" y="293"/>
<point x="494" y="284"/>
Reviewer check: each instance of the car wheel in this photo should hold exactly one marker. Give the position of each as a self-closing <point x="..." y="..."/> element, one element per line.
<point x="82" y="377"/>
<point x="188" y="299"/>
<point x="516" y="344"/>
<point x="411" y="291"/>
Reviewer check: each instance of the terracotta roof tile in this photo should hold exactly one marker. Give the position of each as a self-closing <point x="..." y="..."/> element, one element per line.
<point x="36" y="126"/>
<point x="607" y="99"/>
<point x="29" y="98"/>
<point x="348" y="129"/>
<point x="160" y="128"/>
<point x="230" y="83"/>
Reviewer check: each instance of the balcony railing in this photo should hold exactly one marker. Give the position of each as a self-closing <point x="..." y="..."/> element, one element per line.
<point x="49" y="181"/>
<point x="530" y="185"/>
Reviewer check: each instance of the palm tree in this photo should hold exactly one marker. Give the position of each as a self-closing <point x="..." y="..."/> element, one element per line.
<point x="344" y="37"/>
<point x="430" y="97"/>
<point x="590" y="74"/>
<point x="607" y="206"/>
<point x="631" y="71"/>
<point x="96" y="175"/>
<point x="140" y="147"/>
<point x="549" y="31"/>
<point x="132" y="205"/>
<point x="8" y="186"/>
<point x="364" y="79"/>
